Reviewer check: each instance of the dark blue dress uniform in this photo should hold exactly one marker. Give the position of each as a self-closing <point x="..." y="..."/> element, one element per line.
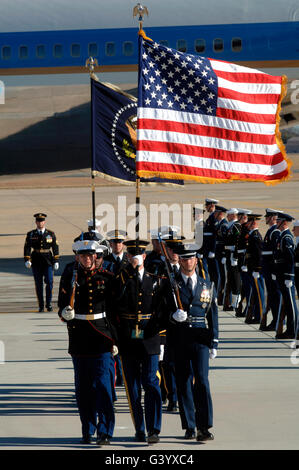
<point x="274" y="299"/>
<point x="138" y="329"/>
<point x="232" y="292"/>
<point x="91" y="340"/>
<point x="284" y="259"/>
<point x="240" y="254"/>
<point x="41" y="249"/>
<point x="208" y="248"/>
<point x="192" y="339"/>
<point x="221" y="232"/>
<point x="253" y="261"/>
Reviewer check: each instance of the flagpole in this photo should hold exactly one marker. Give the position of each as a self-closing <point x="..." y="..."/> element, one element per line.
<point x="90" y="64"/>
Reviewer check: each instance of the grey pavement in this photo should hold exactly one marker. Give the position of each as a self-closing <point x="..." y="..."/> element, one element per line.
<point x="254" y="380"/>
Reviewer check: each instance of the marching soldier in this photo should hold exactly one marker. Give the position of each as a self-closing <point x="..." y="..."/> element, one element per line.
<point x="273" y="291"/>
<point x="117" y="259"/>
<point x="84" y="304"/>
<point x="41" y="252"/>
<point x="284" y="259"/>
<point x="138" y="329"/>
<point x="253" y="262"/>
<point x="154" y="262"/>
<point x="193" y="331"/>
<point x="232" y="289"/>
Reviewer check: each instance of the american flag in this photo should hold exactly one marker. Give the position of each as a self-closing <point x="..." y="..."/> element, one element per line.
<point x="207" y="120"/>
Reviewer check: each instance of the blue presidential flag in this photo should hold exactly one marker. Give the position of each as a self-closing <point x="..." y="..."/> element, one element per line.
<point x="114" y="122"/>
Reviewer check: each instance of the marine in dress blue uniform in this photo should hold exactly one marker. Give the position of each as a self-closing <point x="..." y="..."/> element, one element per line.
<point x="284" y="259"/>
<point x="41" y="253"/>
<point x="91" y="340"/>
<point x="138" y="330"/>
<point x="193" y="331"/>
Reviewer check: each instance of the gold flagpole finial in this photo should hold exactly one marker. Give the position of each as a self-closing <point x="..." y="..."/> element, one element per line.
<point x="140" y="10"/>
<point x="91" y="63"/>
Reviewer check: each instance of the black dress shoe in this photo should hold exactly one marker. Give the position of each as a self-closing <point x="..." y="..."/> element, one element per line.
<point x="189" y="434"/>
<point x="239" y="314"/>
<point x="153" y="438"/>
<point x="251" y="321"/>
<point x="41" y="309"/>
<point x="86" y="440"/>
<point x="204" y="435"/>
<point x="103" y="440"/>
<point x="270" y="327"/>
<point x="172" y="406"/>
<point x="285" y="335"/>
<point x="140" y="437"/>
<point x="49" y="308"/>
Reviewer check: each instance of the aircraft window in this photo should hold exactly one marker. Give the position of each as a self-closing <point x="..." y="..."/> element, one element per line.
<point x="75" y="50"/>
<point x="41" y="51"/>
<point x="236" y="44"/>
<point x="181" y="45"/>
<point x="199" y="45"/>
<point x="128" y="48"/>
<point x="164" y="42"/>
<point x="6" y="52"/>
<point x="110" y="49"/>
<point x="93" y="50"/>
<point x="23" y="52"/>
<point x="218" y="45"/>
<point x="58" y="51"/>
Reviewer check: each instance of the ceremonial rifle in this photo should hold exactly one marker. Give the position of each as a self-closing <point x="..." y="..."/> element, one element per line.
<point x="171" y="276"/>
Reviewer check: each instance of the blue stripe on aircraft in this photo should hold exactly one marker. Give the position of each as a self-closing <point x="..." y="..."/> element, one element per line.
<point x="260" y="41"/>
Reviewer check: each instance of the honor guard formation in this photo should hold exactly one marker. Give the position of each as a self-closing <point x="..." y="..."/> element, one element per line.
<point x="148" y="320"/>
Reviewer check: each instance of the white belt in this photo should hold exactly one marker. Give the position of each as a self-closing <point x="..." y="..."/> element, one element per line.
<point x="297" y="265"/>
<point x="230" y="247"/>
<point x="267" y="252"/>
<point x="241" y="251"/>
<point x="207" y="233"/>
<point x="96" y="316"/>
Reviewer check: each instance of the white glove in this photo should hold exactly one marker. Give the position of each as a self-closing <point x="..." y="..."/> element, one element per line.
<point x="56" y="266"/>
<point x="68" y="313"/>
<point x="180" y="315"/>
<point x="288" y="283"/>
<point x="114" y="350"/>
<point x="233" y="261"/>
<point x="223" y="260"/>
<point x="28" y="264"/>
<point x="161" y="355"/>
<point x="273" y="277"/>
<point x="211" y="254"/>
<point x="244" y="269"/>
<point x="213" y="353"/>
<point x="255" y="274"/>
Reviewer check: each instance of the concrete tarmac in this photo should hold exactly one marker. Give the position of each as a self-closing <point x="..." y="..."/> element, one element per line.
<point x="254" y="380"/>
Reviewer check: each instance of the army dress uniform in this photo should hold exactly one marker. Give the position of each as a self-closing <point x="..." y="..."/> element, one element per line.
<point x="232" y="289"/>
<point x="253" y="262"/>
<point x="139" y="344"/>
<point x="274" y="297"/>
<point x="221" y="232"/>
<point x="192" y="340"/>
<point x="91" y="341"/>
<point x="41" y="252"/>
<point x="284" y="259"/>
